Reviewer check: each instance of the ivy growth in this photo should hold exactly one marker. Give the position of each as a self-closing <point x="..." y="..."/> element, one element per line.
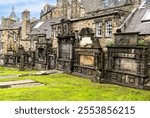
<point x="141" y="42"/>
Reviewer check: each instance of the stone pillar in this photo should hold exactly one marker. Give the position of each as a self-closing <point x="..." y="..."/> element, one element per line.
<point x="22" y="63"/>
<point x="71" y="48"/>
<point x="58" y="48"/>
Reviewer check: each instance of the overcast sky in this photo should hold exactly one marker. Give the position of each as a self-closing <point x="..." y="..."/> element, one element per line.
<point x="34" y="6"/>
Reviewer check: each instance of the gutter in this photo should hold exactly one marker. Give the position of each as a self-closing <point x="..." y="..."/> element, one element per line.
<point x="90" y="17"/>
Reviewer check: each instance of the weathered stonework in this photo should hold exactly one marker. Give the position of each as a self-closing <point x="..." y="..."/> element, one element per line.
<point x="78" y="37"/>
<point x="127" y="63"/>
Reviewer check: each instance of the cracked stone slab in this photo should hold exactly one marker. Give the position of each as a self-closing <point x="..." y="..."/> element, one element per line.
<point x="147" y="86"/>
<point x="27" y="85"/>
<point x="9" y="76"/>
<point x="20" y="83"/>
<point x="48" y="72"/>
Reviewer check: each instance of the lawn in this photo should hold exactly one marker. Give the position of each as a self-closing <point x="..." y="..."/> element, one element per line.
<point x="5" y="71"/>
<point x="64" y="87"/>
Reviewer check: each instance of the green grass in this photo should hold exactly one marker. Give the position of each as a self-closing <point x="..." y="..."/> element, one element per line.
<point x="5" y="71"/>
<point x="64" y="87"/>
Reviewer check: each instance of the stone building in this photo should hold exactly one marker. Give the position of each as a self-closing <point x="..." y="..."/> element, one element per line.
<point x="41" y="38"/>
<point x="128" y="59"/>
<point x="86" y="43"/>
<point x="10" y="37"/>
<point x="83" y="40"/>
<point x="14" y="36"/>
<point x="100" y="39"/>
<point x="10" y="32"/>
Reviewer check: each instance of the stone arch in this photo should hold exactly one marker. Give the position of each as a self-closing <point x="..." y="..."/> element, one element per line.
<point x="86" y="32"/>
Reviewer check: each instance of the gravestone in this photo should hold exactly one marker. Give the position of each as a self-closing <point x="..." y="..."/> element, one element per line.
<point x="22" y="55"/>
<point x="65" y="51"/>
<point x="126" y="62"/>
<point x="126" y="39"/>
<point x="20" y="84"/>
<point x="89" y="57"/>
<point x="22" y="63"/>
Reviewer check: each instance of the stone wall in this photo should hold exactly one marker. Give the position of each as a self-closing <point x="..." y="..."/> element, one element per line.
<point x="127" y="66"/>
<point x="25" y="44"/>
<point x="127" y="62"/>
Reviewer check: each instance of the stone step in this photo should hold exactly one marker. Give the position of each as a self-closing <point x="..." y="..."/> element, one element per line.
<point x="16" y="82"/>
<point x="9" y="76"/>
<point x="147" y="86"/>
<point x="47" y="72"/>
<point x="19" y="84"/>
<point x="27" y="85"/>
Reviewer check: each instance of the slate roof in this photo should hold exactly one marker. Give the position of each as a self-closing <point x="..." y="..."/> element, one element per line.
<point x="93" y="5"/>
<point x="45" y="27"/>
<point x="16" y="25"/>
<point x="136" y="24"/>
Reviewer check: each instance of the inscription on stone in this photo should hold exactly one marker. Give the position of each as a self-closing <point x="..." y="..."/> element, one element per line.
<point x="86" y="60"/>
<point x="126" y="39"/>
<point x="86" y="41"/>
<point x="126" y="65"/>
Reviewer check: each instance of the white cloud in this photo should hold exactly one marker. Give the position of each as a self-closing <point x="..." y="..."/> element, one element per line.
<point x="15" y="2"/>
<point x="30" y="7"/>
<point x="4" y="2"/>
<point x="34" y="6"/>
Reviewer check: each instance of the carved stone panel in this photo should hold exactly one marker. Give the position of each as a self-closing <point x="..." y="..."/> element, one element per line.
<point x="126" y="39"/>
<point x="86" y="60"/>
<point x="86" y="41"/>
<point x="127" y="66"/>
<point x="51" y="62"/>
<point x="124" y="64"/>
<point x="64" y="50"/>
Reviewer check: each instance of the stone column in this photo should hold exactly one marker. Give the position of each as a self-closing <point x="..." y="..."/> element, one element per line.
<point x="58" y="47"/>
<point x="21" y="66"/>
<point x="71" y="48"/>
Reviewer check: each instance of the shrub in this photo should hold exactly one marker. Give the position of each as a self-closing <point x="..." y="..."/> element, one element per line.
<point x="110" y="44"/>
<point x="141" y="42"/>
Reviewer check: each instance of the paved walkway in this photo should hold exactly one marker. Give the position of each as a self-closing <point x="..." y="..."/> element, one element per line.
<point x="20" y="83"/>
<point x="9" y="76"/>
<point x="47" y="72"/>
<point x="25" y="83"/>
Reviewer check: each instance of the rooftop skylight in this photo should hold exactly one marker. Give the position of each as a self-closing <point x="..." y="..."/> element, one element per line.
<point x="146" y="17"/>
<point x="38" y="25"/>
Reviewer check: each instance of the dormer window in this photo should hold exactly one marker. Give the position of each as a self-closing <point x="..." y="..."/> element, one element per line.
<point x="146" y="17"/>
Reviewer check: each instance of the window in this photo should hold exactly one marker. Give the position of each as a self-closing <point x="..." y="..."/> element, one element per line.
<point x="99" y="29"/>
<point x="106" y="3"/>
<point x="108" y="28"/>
<point x="146" y="17"/>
